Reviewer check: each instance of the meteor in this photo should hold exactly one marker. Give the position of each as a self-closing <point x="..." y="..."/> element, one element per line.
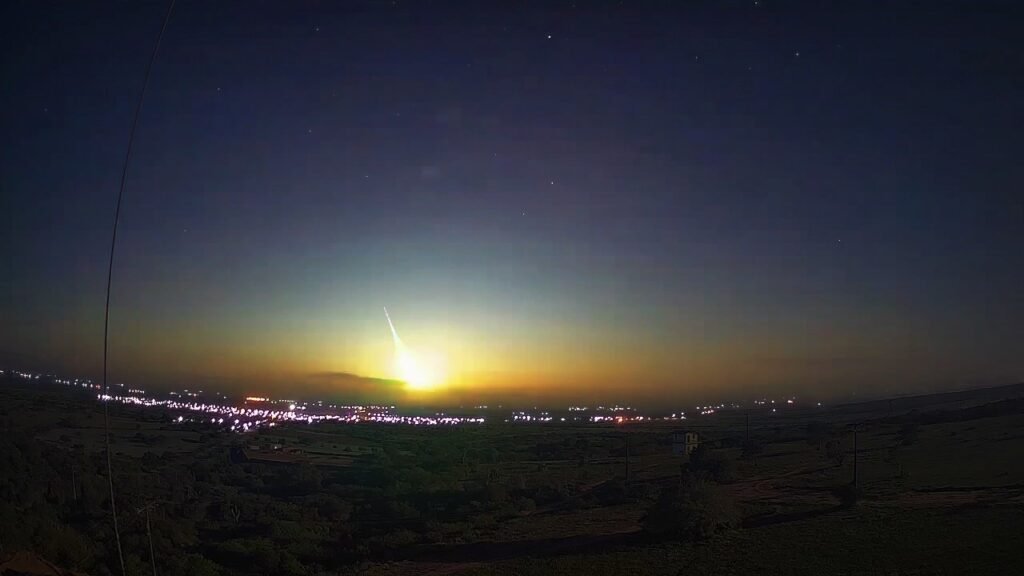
<point x="394" y="334"/>
<point x="416" y="374"/>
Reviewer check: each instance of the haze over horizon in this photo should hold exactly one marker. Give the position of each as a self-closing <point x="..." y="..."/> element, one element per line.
<point x="700" y="202"/>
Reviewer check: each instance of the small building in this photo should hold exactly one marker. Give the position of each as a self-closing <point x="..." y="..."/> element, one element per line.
<point x="684" y="442"/>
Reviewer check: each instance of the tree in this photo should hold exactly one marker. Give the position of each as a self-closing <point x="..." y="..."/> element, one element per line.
<point x="189" y="565"/>
<point x="818" y="433"/>
<point x="848" y="494"/>
<point x="752" y="448"/>
<point x="62" y="545"/>
<point x="835" y="451"/>
<point x="715" y="465"/>
<point x="908" y="432"/>
<point x="307" y="479"/>
<point x="696" y="509"/>
<point x="496" y="493"/>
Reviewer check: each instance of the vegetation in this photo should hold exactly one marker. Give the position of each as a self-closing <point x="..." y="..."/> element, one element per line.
<point x="713" y="465"/>
<point x="494" y="495"/>
<point x="848" y="494"/>
<point x="696" y="508"/>
<point x="908" y="432"/>
<point x="752" y="448"/>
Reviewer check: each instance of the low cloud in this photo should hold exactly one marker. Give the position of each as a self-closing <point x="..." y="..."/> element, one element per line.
<point x="347" y="386"/>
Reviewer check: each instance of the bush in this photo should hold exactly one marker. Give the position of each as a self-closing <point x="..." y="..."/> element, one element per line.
<point x="190" y="564"/>
<point x="257" y="554"/>
<point x="835" y="451"/>
<point x="818" y="433"/>
<point x="908" y="433"/>
<point x="848" y="494"/>
<point x="547" y="495"/>
<point x="611" y="492"/>
<point x="62" y="544"/>
<point x="696" y="510"/>
<point x="708" y="509"/>
<point x="525" y="505"/>
<point x="714" y="465"/>
<point x="496" y="493"/>
<point x="332" y="508"/>
<point x="400" y="538"/>
<point x="484" y="521"/>
<point x="752" y="448"/>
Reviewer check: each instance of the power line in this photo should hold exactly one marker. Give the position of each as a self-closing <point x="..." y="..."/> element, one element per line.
<point x="110" y="275"/>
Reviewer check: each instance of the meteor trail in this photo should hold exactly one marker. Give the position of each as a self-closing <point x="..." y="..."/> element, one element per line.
<point x="394" y="333"/>
<point x="417" y="373"/>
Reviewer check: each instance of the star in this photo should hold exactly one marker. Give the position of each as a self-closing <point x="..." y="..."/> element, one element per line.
<point x="549" y="36"/>
<point x="797" y="54"/>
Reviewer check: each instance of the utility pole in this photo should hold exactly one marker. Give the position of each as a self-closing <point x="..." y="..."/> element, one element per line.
<point x="854" y="455"/>
<point x="149" y="534"/>
<point x="626" y="436"/>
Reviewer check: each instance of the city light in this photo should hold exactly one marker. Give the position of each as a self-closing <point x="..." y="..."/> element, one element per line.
<point x="258" y="411"/>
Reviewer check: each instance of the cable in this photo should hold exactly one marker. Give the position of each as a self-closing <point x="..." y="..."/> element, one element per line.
<point x="110" y="276"/>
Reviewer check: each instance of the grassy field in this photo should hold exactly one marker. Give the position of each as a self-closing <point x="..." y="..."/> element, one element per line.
<point x="947" y="498"/>
<point x="74" y="419"/>
<point x="940" y="491"/>
<point x="867" y="540"/>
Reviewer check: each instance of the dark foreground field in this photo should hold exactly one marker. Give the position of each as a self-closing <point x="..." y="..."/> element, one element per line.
<point x="940" y="490"/>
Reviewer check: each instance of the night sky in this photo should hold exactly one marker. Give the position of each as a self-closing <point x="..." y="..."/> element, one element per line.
<point x="587" y="201"/>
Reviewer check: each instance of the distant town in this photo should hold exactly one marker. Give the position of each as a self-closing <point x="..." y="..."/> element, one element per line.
<point x="245" y="414"/>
